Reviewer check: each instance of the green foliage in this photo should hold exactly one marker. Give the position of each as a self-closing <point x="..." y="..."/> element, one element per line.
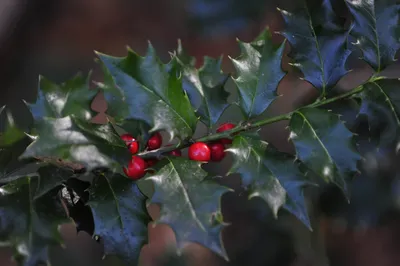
<point x="376" y="31"/>
<point x="320" y="54"/>
<point x="204" y="86"/>
<point x="10" y="133"/>
<point x="153" y="92"/>
<point x="29" y="219"/>
<point x="70" y="98"/>
<point x="259" y="73"/>
<point x="145" y="95"/>
<point x="194" y="201"/>
<point x="120" y="215"/>
<point x="380" y="100"/>
<point x="324" y="144"/>
<point x="269" y="174"/>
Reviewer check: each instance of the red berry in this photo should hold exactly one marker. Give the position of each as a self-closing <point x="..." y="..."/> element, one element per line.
<point x="199" y="151"/>
<point x="154" y="142"/>
<point x="131" y="142"/>
<point x="136" y="168"/>
<point x="225" y="127"/>
<point x="217" y="151"/>
<point x="134" y="147"/>
<point x="176" y="153"/>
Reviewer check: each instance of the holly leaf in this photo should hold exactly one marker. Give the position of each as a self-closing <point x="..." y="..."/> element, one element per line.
<point x="190" y="203"/>
<point x="72" y="97"/>
<point x="205" y="86"/>
<point x="259" y="73"/>
<point x="153" y="92"/>
<point x="120" y="216"/>
<point x="318" y="45"/>
<point x="29" y="221"/>
<point x="380" y="103"/>
<point x="9" y="132"/>
<point x="270" y="175"/>
<point x="184" y="57"/>
<point x="74" y="140"/>
<point x="324" y="145"/>
<point x="375" y="28"/>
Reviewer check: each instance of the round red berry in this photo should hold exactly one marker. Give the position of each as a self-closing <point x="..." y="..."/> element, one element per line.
<point x="217" y="151"/>
<point x="199" y="151"/>
<point x="176" y="153"/>
<point x="225" y="127"/>
<point x="136" y="168"/>
<point x="131" y="142"/>
<point x="154" y="142"/>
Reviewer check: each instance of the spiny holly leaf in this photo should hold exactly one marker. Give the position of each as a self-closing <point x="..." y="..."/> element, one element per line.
<point x="205" y="87"/>
<point x="381" y="104"/>
<point x="318" y="45"/>
<point x="118" y="109"/>
<point x="9" y="132"/>
<point x="375" y="27"/>
<point x="74" y="140"/>
<point x="324" y="145"/>
<point x="120" y="216"/>
<point x="269" y="174"/>
<point x="259" y="73"/>
<point x="72" y="97"/>
<point x="29" y="221"/>
<point x="189" y="203"/>
<point x="184" y="57"/>
<point x="153" y="92"/>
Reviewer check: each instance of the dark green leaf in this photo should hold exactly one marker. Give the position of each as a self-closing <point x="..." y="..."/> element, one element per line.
<point x="189" y="203"/>
<point x="205" y="87"/>
<point x="29" y="221"/>
<point x="120" y="216"/>
<point x="318" y="45"/>
<point x="184" y="57"/>
<point x="375" y="28"/>
<point x="259" y="73"/>
<point x="9" y="132"/>
<point x="72" y="97"/>
<point x="117" y="108"/>
<point x="324" y="144"/>
<point x="153" y="92"/>
<point x="381" y="104"/>
<point x="78" y="141"/>
<point x="269" y="174"/>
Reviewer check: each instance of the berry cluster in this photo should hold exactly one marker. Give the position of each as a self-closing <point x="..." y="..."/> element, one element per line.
<point x="199" y="151"/>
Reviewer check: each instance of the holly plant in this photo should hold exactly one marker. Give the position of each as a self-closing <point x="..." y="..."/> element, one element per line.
<point x="66" y="168"/>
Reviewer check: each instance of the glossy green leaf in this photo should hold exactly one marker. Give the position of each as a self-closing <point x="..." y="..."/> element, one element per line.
<point x="324" y="145"/>
<point x="9" y="131"/>
<point x="270" y="174"/>
<point x="259" y="73"/>
<point x="153" y="92"/>
<point x="204" y="86"/>
<point x="318" y="44"/>
<point x="185" y="58"/>
<point x="72" y="97"/>
<point x="375" y="27"/>
<point x="29" y="221"/>
<point x="381" y="103"/>
<point x="75" y="140"/>
<point x="190" y="203"/>
<point x="120" y="216"/>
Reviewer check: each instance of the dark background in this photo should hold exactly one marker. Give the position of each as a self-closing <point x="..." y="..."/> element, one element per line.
<point x="57" y="39"/>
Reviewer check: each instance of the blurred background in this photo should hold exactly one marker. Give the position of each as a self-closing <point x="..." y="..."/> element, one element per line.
<point x="58" y="38"/>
